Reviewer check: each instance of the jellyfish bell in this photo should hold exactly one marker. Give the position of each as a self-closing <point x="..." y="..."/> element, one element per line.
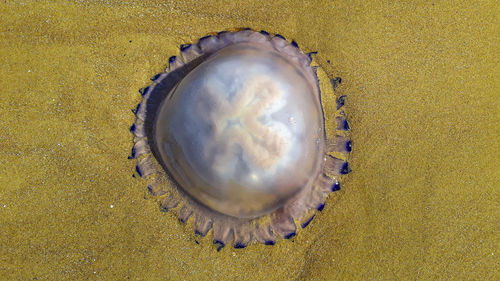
<point x="242" y="132"/>
<point x="234" y="131"/>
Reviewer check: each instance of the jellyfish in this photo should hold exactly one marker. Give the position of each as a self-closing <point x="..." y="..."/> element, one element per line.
<point x="232" y="136"/>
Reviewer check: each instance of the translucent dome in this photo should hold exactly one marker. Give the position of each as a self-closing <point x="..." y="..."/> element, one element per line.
<point x="242" y="132"/>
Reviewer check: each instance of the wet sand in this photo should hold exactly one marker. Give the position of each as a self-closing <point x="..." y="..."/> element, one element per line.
<point x="423" y="106"/>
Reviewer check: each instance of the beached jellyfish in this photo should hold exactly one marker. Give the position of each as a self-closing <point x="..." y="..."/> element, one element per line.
<point x="233" y="135"/>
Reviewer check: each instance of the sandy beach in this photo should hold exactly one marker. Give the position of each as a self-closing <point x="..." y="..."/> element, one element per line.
<point x="422" y="86"/>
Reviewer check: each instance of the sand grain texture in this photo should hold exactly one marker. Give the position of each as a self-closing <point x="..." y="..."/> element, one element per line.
<point x="423" y="104"/>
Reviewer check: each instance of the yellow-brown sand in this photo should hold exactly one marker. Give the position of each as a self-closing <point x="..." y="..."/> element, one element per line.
<point x="422" y="79"/>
